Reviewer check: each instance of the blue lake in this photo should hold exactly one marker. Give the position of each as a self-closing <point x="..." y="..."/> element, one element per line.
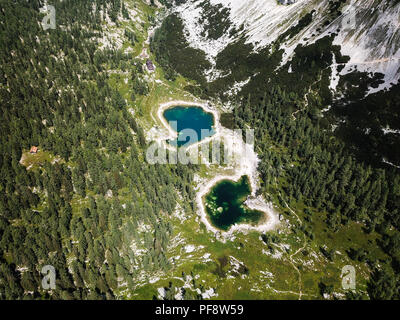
<point x="195" y="118"/>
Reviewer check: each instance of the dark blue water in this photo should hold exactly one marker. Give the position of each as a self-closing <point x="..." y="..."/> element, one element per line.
<point x="225" y="204"/>
<point x="194" y="118"/>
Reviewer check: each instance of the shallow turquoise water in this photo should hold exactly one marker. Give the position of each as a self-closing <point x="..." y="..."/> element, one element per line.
<point x="224" y="204"/>
<point x="194" y="118"/>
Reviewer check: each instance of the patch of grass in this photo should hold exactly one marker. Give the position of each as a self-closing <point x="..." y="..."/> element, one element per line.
<point x="36" y="160"/>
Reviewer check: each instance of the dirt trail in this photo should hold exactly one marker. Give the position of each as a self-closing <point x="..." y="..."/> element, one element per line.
<point x="305" y="99"/>
<point x="300" y="293"/>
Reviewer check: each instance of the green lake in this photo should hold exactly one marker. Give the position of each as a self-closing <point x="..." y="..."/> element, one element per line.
<point x="225" y="204"/>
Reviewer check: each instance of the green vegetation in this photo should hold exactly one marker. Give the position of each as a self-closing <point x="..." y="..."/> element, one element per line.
<point x="173" y="53"/>
<point x="83" y="203"/>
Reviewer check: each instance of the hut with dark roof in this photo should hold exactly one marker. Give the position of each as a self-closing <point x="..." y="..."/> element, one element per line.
<point x="150" y="65"/>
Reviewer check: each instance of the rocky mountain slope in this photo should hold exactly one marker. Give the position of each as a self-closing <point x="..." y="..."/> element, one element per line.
<point x="367" y="31"/>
